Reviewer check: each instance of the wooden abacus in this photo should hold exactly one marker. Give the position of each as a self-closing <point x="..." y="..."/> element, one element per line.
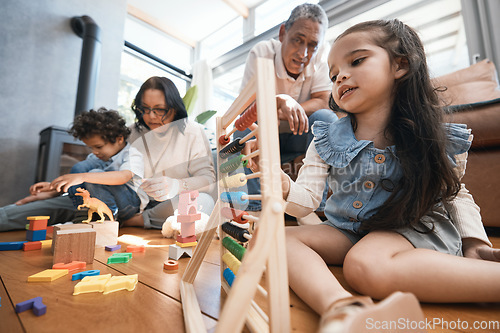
<point x="267" y="253"/>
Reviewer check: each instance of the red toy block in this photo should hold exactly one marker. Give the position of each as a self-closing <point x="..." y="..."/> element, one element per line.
<point x="72" y="266"/>
<point x="29" y="246"/>
<point x="136" y="248"/>
<point x="188" y="218"/>
<point x="38" y="225"/>
<point x="189" y="239"/>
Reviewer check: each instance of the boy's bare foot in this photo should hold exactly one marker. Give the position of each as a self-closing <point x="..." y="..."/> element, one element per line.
<point x="38" y="196"/>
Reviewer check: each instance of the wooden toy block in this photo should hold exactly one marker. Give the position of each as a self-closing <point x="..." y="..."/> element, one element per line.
<point x="67" y="226"/>
<point x="46" y="242"/>
<point x="10" y="246"/>
<point x="127" y="282"/>
<point x="50" y="231"/>
<point x="188" y="218"/>
<point x="106" y="233"/>
<point x="91" y="284"/>
<point x="36" y="218"/>
<point x="175" y="251"/>
<point x="35" y="303"/>
<point x="136" y="248"/>
<point x="74" y="245"/>
<point x="36" y="235"/>
<point x="48" y="275"/>
<point x="72" y="266"/>
<point x="38" y="224"/>
<point x="30" y="246"/>
<point x="183" y="245"/>
<point x="170" y="265"/>
<point x="189" y="239"/>
<point x="112" y="247"/>
<point x="81" y="275"/>
<point x="188" y="229"/>
<point x="188" y="203"/>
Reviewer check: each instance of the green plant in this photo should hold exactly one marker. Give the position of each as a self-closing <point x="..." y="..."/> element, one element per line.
<point x="203" y="117"/>
<point x="189" y="100"/>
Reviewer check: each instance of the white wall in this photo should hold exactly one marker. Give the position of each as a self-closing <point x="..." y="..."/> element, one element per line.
<point x="39" y="68"/>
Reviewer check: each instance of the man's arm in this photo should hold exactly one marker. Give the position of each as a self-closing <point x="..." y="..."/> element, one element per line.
<point x="318" y="101"/>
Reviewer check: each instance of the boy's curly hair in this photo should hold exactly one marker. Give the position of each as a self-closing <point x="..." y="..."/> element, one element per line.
<point x="106" y="123"/>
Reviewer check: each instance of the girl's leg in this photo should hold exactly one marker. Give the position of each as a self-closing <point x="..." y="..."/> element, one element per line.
<point x="383" y="262"/>
<point x="309" y="249"/>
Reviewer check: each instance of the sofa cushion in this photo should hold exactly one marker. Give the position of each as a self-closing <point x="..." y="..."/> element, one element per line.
<point x="484" y="122"/>
<point x="476" y="83"/>
<point x="472" y="96"/>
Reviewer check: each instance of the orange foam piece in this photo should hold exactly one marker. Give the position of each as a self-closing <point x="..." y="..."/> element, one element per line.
<point x="72" y="266"/>
<point x="136" y="248"/>
<point x="29" y="246"/>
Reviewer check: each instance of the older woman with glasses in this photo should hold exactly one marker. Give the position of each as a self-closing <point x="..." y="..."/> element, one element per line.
<point x="177" y="155"/>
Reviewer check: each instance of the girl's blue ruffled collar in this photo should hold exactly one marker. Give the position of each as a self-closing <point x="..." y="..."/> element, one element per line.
<point x="337" y="146"/>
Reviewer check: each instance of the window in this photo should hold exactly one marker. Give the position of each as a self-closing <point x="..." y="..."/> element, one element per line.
<point x="137" y="68"/>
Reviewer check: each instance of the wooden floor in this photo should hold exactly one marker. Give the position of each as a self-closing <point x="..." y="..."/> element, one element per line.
<point x="154" y="306"/>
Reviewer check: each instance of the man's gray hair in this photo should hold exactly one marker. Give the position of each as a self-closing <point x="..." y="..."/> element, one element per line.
<point x="308" y="11"/>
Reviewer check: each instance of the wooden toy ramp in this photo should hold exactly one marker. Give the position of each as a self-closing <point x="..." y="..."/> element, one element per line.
<point x="263" y="308"/>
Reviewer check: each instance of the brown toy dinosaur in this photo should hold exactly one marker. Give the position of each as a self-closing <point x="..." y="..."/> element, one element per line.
<point x="94" y="205"/>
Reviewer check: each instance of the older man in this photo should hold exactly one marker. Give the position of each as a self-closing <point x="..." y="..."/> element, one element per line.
<point x="302" y="83"/>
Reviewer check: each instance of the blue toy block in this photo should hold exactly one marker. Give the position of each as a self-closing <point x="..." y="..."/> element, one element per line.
<point x="36" y="235"/>
<point x="35" y="303"/>
<point x="8" y="246"/>
<point x="81" y="275"/>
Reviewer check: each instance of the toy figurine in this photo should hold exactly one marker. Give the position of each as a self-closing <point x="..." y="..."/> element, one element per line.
<point x="94" y="205"/>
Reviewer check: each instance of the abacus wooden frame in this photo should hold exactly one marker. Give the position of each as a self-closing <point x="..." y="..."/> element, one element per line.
<point x="268" y="250"/>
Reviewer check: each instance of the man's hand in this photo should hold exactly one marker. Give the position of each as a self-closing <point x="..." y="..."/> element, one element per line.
<point x="289" y="109"/>
<point x="64" y="182"/>
<point x="161" y="188"/>
<point x="476" y="249"/>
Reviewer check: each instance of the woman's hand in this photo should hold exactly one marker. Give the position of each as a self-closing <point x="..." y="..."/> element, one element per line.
<point x="476" y="249"/>
<point x="161" y="188"/>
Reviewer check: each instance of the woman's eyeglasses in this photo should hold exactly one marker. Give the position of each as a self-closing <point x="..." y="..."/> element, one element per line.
<point x="160" y="112"/>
